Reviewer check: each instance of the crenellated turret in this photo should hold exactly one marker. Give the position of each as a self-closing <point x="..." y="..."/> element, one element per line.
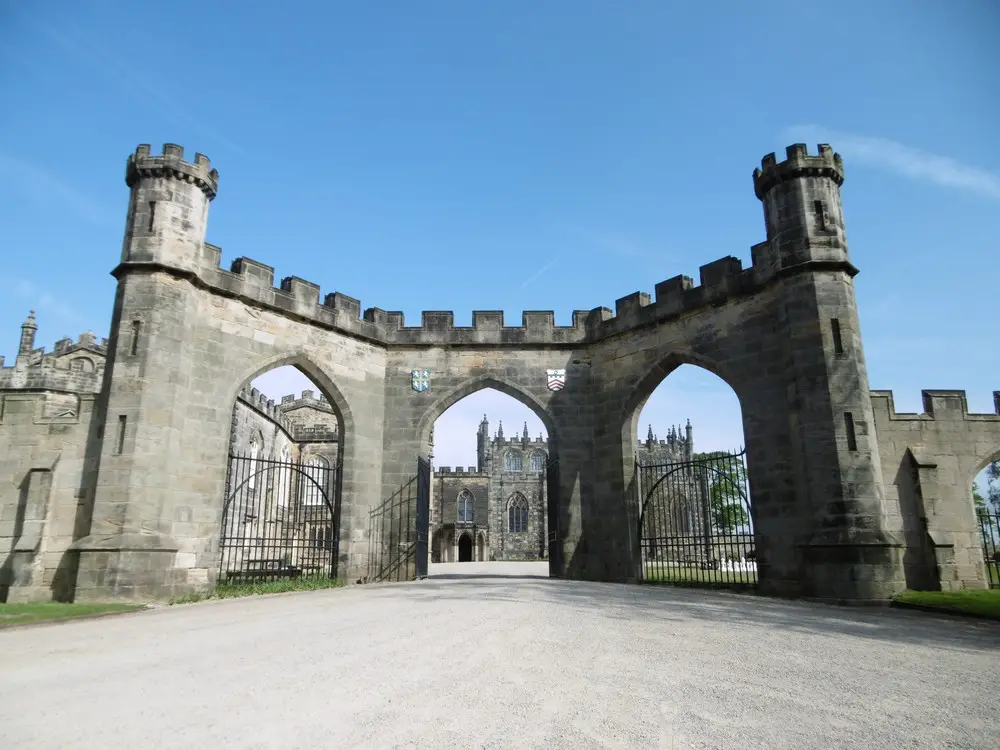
<point x="28" y="329"/>
<point x="802" y="209"/>
<point x="168" y="207"/>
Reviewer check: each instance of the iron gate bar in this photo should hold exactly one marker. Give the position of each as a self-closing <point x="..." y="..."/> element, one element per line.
<point x="422" y="515"/>
<point x="272" y="530"/>
<point x="680" y="537"/>
<point x="989" y="527"/>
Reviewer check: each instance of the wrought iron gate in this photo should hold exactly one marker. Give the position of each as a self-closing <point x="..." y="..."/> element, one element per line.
<point x="398" y="531"/>
<point x="695" y="522"/>
<point x="989" y="526"/>
<point x="279" y="519"/>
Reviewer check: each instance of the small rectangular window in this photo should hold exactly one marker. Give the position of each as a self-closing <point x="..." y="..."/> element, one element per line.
<point x="134" y="343"/>
<point x="852" y="440"/>
<point x="838" y="343"/>
<point x="120" y="441"/>
<point x="820" y="216"/>
<point x="152" y="215"/>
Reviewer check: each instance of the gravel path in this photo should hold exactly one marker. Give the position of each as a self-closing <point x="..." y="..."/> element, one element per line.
<point x="502" y="663"/>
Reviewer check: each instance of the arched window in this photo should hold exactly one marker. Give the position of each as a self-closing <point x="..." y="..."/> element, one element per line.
<point x="256" y="443"/>
<point x="314" y="481"/>
<point x="82" y="364"/>
<point x="517" y="514"/>
<point x="511" y="461"/>
<point x="465" y="506"/>
<point x="285" y="477"/>
<point x="538" y="461"/>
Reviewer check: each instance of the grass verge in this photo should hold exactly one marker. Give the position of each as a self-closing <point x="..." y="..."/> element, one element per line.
<point x="20" y="614"/>
<point x="977" y="602"/>
<point x="280" y="586"/>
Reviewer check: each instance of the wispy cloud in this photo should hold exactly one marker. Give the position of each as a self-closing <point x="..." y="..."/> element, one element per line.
<point x="45" y="302"/>
<point x="77" y="43"/>
<point x="611" y="242"/>
<point x="901" y="159"/>
<point x="42" y="185"/>
<point x="534" y="277"/>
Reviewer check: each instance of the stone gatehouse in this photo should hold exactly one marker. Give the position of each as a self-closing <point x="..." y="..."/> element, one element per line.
<point x="113" y="478"/>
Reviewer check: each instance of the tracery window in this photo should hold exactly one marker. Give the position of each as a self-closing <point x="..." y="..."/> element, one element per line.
<point x="538" y="462"/>
<point x="517" y="514"/>
<point x="512" y="461"/>
<point x="312" y="486"/>
<point x="256" y="443"/>
<point x="284" y="475"/>
<point x="465" y="506"/>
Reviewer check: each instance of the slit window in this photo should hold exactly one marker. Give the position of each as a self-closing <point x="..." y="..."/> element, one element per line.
<point x="852" y="440"/>
<point x="134" y="341"/>
<point x="152" y="215"/>
<point x="820" y="216"/>
<point x="838" y="341"/>
<point x="120" y="440"/>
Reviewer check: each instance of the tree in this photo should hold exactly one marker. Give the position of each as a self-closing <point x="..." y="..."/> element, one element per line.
<point x="726" y="479"/>
<point x="990" y="502"/>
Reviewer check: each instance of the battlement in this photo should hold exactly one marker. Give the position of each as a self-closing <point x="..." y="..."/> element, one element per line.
<point x="73" y="366"/>
<point x="275" y="411"/>
<point x="460" y="470"/>
<point x="938" y="406"/>
<point x="720" y="281"/>
<point x="798" y="163"/>
<point x="171" y="164"/>
<point x="308" y="399"/>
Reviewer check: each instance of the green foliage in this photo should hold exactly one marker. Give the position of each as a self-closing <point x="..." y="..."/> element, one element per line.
<point x="18" y="614"/>
<point x="982" y="602"/>
<point x="725" y="480"/>
<point x="229" y="589"/>
<point x="978" y="499"/>
<point x="990" y="502"/>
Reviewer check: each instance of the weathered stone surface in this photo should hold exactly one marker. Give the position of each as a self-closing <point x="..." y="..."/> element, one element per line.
<point x="138" y="450"/>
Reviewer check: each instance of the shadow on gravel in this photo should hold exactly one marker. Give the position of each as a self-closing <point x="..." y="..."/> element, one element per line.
<point x="680" y="604"/>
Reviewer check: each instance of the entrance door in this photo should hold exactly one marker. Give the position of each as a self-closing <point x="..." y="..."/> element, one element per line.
<point x="465" y="548"/>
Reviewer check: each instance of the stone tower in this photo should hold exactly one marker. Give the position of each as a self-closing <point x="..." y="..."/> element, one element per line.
<point x="844" y="534"/>
<point x="141" y="417"/>
<point x="483" y="445"/>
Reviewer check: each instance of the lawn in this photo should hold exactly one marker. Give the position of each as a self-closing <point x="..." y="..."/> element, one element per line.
<point x="982" y="602"/>
<point x="654" y="573"/>
<point x="19" y="614"/>
<point x="230" y="589"/>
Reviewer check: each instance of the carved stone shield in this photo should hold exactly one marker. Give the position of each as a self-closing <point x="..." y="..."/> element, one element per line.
<point x="420" y="380"/>
<point x="556" y="379"/>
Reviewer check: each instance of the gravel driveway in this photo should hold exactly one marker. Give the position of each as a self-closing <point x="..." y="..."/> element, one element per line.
<point x="502" y="663"/>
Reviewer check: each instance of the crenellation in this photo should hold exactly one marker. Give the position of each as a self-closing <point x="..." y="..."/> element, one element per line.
<point x="437" y="320"/>
<point x="211" y="256"/>
<point x="254" y="272"/>
<point x="630" y="305"/>
<point x="306" y="293"/>
<point x="939" y="405"/>
<point x="721" y="275"/>
<point x="487" y="320"/>
<point x="347" y="308"/>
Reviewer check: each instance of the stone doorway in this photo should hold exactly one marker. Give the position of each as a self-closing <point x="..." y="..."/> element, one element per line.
<point x="465" y="548"/>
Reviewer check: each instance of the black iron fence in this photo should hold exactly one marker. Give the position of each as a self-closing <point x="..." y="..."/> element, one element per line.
<point x="989" y="526"/>
<point x="278" y="520"/>
<point x="695" y="522"/>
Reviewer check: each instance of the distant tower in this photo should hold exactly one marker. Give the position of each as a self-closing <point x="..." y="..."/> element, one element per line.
<point x="847" y="536"/>
<point x="28" y="329"/>
<point x="689" y="444"/>
<point x="524" y="435"/>
<point x="168" y="207"/>
<point x="483" y="444"/>
<point x="650" y="439"/>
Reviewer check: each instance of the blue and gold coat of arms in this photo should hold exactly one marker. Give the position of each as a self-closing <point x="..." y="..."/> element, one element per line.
<point x="420" y="380"/>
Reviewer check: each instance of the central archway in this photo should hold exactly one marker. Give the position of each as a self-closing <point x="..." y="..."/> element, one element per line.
<point x="465" y="548"/>
<point x="470" y="491"/>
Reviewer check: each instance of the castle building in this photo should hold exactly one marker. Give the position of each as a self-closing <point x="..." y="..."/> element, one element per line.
<point x="498" y="509"/>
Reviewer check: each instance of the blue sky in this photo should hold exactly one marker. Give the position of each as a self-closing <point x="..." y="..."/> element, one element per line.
<point x="517" y="155"/>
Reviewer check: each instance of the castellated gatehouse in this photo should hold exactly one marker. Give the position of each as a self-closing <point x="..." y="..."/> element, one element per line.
<point x="144" y="466"/>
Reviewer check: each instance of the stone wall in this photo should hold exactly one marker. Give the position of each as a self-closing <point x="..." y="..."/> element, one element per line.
<point x="929" y="462"/>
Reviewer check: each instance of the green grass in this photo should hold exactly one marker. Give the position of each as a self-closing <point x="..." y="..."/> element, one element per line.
<point x="983" y="602"/>
<point x="19" y="614"/>
<point x="227" y="590"/>
<point x="699" y="577"/>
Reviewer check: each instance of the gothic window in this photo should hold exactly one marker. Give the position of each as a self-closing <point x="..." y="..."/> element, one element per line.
<point x="284" y="475"/>
<point x="256" y="443"/>
<point x="313" y="481"/>
<point x="465" y="506"/>
<point x="512" y="461"/>
<point x="82" y="364"/>
<point x="517" y="514"/>
<point x="538" y="462"/>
